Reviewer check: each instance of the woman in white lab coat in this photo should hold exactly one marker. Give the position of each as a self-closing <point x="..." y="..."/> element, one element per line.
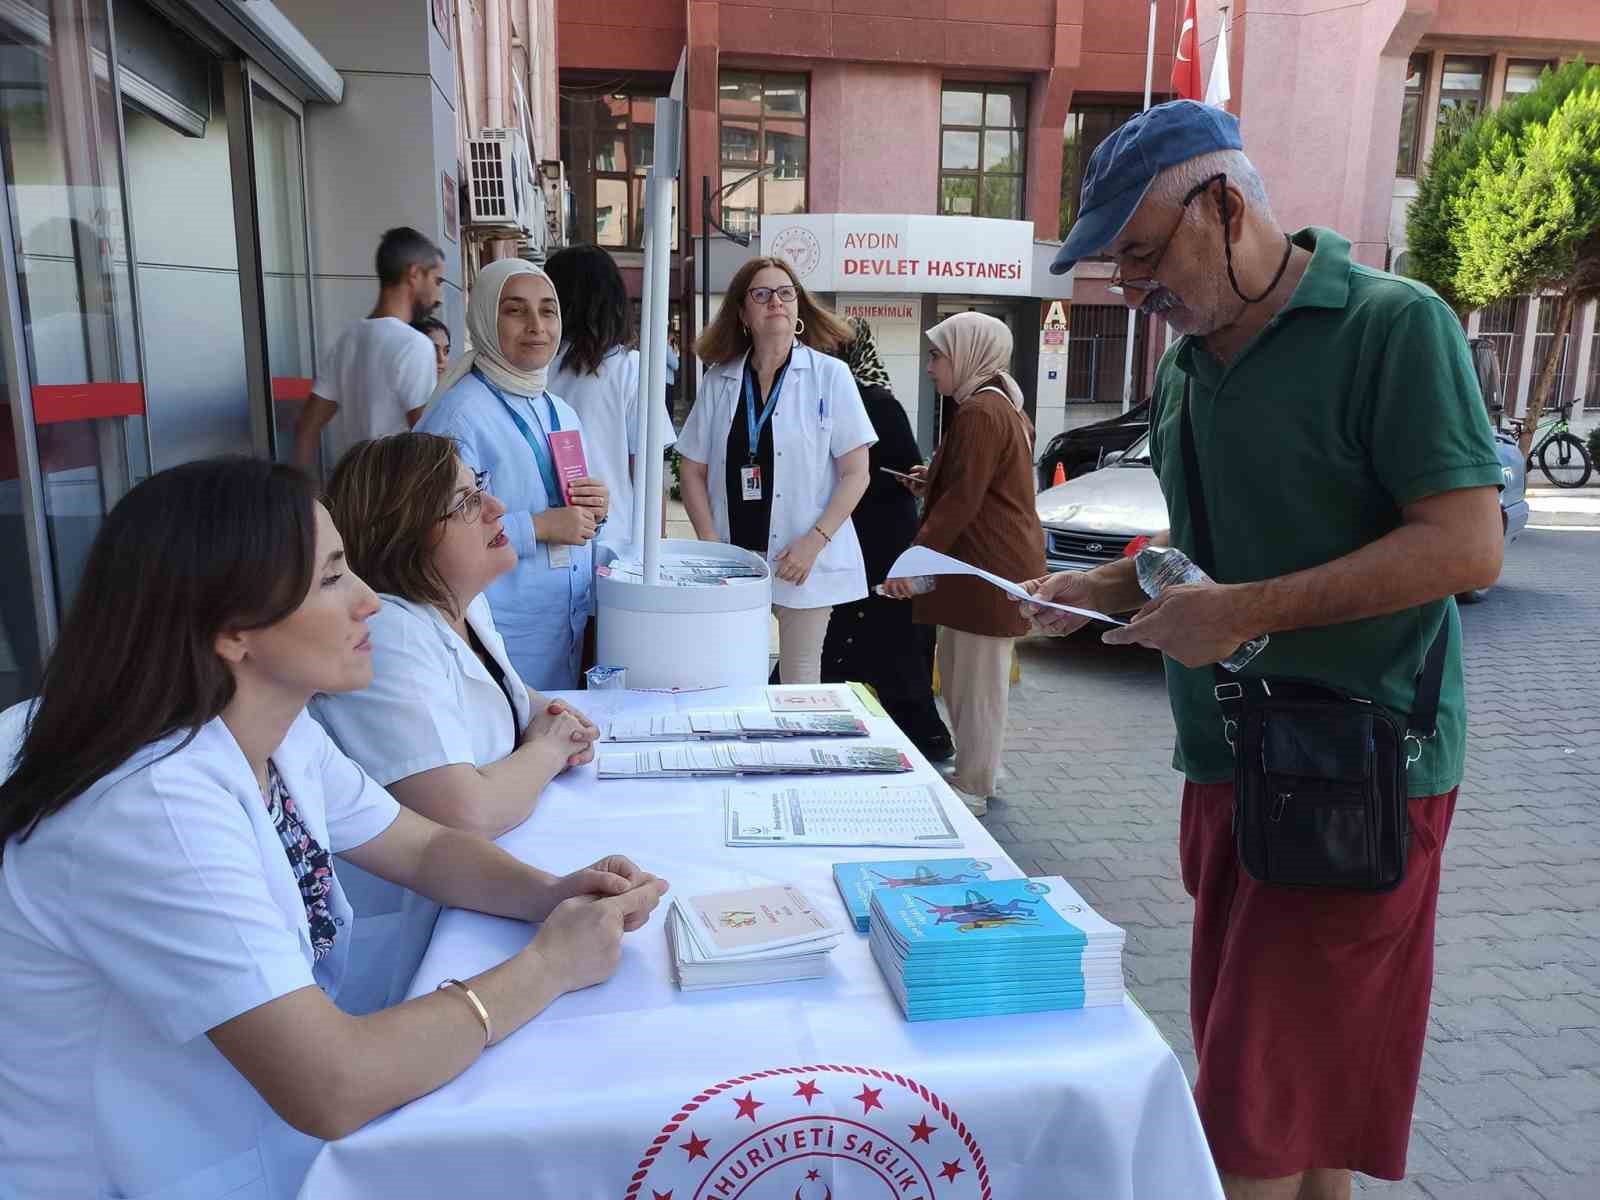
<point x="774" y="453"/>
<point x="172" y="930"/>
<point x="446" y="724"/>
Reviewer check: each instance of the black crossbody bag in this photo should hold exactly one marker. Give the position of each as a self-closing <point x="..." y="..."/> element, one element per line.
<point x="1319" y="775"/>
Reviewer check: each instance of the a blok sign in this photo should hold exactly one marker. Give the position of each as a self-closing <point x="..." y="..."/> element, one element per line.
<point x="851" y="252"/>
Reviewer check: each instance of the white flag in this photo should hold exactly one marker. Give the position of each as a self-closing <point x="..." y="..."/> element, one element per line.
<point x="1217" y="91"/>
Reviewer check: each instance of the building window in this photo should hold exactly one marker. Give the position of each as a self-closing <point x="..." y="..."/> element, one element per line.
<point x="762" y="118"/>
<point x="606" y="141"/>
<point x="1501" y="323"/>
<point x="1522" y="74"/>
<point x="982" y="150"/>
<point x="1087" y="126"/>
<point x="1411" y="115"/>
<point x="1541" y="346"/>
<point x="1461" y="89"/>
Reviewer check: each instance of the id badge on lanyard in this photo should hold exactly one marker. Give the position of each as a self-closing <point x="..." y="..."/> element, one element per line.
<point x="750" y="482"/>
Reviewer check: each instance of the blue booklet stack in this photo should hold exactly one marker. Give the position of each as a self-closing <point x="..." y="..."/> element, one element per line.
<point x="988" y="948"/>
<point x="856" y="881"/>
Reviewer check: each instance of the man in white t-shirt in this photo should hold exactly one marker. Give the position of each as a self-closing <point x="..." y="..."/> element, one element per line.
<point x="380" y="373"/>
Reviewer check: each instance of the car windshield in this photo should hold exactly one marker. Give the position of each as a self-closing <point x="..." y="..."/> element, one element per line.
<point x="1136" y="455"/>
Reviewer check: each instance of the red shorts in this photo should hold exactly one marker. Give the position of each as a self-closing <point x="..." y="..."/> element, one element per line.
<point x="1310" y="1008"/>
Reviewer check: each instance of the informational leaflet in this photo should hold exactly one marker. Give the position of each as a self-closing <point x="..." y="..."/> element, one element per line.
<point x="686" y="571"/>
<point x="754" y="921"/>
<point x="919" y="560"/>
<point x="806" y="699"/>
<point x="837" y="816"/>
<point x="724" y="724"/>
<point x="750" y="759"/>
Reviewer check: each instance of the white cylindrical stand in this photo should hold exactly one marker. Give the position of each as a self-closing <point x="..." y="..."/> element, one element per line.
<point x="687" y="637"/>
<point x="647" y="385"/>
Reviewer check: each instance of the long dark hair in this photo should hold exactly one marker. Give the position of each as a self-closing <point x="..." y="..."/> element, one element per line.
<point x="594" y="305"/>
<point x="221" y="545"/>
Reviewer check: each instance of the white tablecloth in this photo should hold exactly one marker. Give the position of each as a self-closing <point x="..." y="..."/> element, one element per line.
<point x="811" y="1089"/>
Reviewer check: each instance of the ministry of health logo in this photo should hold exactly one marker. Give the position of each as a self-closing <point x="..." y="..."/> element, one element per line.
<point x="813" y="1133"/>
<point x="800" y="247"/>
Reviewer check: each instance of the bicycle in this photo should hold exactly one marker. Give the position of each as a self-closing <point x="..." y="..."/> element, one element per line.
<point x="1560" y="453"/>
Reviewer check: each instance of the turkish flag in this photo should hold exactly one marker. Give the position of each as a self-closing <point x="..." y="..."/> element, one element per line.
<point x="1185" y="63"/>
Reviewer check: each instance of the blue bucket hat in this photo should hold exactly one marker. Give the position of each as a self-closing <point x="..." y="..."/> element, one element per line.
<point x="1123" y="166"/>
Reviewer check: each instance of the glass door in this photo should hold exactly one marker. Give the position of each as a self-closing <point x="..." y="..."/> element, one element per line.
<point x="72" y="348"/>
<point x="277" y="141"/>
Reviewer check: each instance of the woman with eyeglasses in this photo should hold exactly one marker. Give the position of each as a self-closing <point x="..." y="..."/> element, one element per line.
<point x="447" y="725"/>
<point x="174" y="931"/>
<point x="494" y="404"/>
<point x="774" y="453"/>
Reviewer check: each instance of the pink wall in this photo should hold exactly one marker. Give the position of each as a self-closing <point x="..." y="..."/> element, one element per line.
<point x="1317" y="91"/>
<point x="1503" y="20"/>
<point x="861" y="163"/>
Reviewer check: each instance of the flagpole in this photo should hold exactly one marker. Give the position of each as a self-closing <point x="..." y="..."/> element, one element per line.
<point x="1133" y="313"/>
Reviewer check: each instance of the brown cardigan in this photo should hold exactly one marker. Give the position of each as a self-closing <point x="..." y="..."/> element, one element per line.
<point x="980" y="509"/>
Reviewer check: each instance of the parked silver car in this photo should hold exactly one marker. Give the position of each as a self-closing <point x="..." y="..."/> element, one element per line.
<point x="1091" y="519"/>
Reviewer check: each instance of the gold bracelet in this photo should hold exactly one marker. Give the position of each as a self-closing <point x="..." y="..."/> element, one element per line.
<point x="823" y="532"/>
<point x="477" y="1007"/>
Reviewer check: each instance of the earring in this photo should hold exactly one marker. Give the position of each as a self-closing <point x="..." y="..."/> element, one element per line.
<point x="799" y="326"/>
<point x="744" y="329"/>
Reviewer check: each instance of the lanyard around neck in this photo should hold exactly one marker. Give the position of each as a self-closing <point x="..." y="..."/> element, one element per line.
<point x="753" y="424"/>
<point x="538" y="444"/>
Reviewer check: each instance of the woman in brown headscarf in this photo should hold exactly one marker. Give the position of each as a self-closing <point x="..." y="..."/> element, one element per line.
<point x="979" y="509"/>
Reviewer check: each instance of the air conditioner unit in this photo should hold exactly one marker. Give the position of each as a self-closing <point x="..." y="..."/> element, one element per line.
<point x="502" y="196"/>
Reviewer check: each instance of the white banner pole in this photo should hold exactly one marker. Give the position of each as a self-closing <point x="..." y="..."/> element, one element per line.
<point x="1133" y="314"/>
<point x="653" y="338"/>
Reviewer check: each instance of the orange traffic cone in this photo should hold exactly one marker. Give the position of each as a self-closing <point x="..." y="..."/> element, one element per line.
<point x="1060" y="476"/>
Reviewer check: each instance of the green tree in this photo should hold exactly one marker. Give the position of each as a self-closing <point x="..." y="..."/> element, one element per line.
<point x="1509" y="204"/>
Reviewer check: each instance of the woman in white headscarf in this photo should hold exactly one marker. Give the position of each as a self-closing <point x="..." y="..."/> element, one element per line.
<point x="979" y="509"/>
<point x="494" y="404"/>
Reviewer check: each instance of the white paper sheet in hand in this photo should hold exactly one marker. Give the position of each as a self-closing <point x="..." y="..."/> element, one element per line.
<point x="919" y="560"/>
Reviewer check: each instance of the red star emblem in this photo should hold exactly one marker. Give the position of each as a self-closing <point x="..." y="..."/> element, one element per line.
<point x="869" y="1099"/>
<point x="748" y="1106"/>
<point x="951" y="1169"/>
<point x="810" y="1175"/>
<point x="808" y="1089"/>
<point x="921" y="1131"/>
<point x="696" y="1146"/>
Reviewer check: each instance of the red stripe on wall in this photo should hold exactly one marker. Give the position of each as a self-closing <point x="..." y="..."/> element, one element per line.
<point x="57" y="403"/>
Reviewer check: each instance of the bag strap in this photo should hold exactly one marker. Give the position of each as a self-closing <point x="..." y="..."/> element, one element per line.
<point x="1424" y="720"/>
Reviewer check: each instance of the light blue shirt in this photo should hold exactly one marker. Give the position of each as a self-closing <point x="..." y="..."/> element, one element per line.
<point x="541" y="611"/>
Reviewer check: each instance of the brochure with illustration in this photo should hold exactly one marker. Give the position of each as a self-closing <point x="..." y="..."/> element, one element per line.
<point x="754" y="921"/>
<point x="750" y="724"/>
<point x="806" y="699"/>
<point x="858" y="880"/>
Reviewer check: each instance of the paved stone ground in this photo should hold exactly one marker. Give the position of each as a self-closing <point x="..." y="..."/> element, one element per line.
<point x="1510" y="1098"/>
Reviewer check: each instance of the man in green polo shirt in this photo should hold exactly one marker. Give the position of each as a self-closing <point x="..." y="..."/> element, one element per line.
<point x="1350" y="480"/>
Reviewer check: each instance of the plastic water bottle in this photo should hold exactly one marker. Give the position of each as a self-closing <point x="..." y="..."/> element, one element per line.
<point x="1159" y="567"/>
<point x="921" y="585"/>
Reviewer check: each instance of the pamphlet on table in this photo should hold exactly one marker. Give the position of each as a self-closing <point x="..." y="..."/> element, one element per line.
<point x="991" y="947"/>
<point x="806" y="699"/>
<point x="823" y="815"/>
<point x="753" y="935"/>
<point x="761" y="758"/>
<point x="857" y="881"/>
<point x="722" y="724"/>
